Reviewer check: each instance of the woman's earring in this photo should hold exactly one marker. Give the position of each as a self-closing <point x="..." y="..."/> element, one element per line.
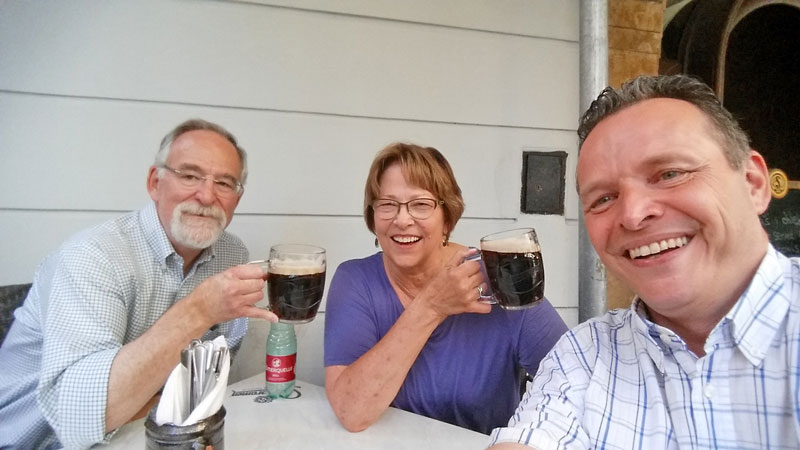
<point x="445" y="238"/>
<point x="376" y="242"/>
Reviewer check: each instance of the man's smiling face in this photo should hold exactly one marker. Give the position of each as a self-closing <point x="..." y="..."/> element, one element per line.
<point x="665" y="210"/>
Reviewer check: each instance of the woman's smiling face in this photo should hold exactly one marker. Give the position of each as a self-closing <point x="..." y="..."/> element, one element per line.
<point x="408" y="243"/>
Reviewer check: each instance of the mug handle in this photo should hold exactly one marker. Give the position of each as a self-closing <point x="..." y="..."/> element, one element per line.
<point x="486" y="295"/>
<point x="264" y="264"/>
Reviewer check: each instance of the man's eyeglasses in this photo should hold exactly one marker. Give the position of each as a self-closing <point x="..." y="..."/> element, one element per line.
<point x="419" y="208"/>
<point x="192" y="179"/>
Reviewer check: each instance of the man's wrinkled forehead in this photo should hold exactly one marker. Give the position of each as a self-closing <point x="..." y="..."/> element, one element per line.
<point x="191" y="147"/>
<point x="663" y="129"/>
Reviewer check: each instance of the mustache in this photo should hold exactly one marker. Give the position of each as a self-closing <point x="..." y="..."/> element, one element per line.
<point x="200" y="210"/>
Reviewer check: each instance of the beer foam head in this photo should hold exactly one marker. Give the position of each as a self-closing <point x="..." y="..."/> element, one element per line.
<point x="296" y="267"/>
<point x="522" y="243"/>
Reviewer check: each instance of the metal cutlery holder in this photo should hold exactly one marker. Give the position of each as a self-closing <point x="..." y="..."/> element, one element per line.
<point x="208" y="433"/>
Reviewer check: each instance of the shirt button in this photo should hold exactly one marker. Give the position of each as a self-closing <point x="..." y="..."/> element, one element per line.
<point x="708" y="391"/>
<point x="665" y="338"/>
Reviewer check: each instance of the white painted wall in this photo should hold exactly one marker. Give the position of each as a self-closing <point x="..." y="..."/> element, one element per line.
<point x="312" y="89"/>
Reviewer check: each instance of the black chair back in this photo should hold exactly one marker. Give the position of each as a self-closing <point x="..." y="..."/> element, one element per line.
<point x="11" y="296"/>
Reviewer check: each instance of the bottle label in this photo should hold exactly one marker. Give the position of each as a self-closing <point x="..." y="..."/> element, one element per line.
<point x="280" y="369"/>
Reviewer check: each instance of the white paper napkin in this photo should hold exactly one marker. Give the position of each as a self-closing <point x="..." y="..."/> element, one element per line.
<point x="174" y="403"/>
<point x="173" y="407"/>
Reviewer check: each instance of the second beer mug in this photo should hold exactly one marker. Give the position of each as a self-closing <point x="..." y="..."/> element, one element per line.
<point x="514" y="267"/>
<point x="296" y="281"/>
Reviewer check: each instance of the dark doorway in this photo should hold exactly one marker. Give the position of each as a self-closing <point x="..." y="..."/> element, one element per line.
<point x="762" y="82"/>
<point x="762" y="89"/>
<point x="759" y="43"/>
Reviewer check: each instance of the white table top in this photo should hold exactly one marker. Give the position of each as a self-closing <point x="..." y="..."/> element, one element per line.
<point x="308" y="422"/>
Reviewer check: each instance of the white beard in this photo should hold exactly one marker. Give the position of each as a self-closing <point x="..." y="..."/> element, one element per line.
<point x="197" y="233"/>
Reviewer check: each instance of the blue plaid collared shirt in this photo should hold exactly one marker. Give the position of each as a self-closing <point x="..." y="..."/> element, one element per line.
<point x="100" y="290"/>
<point x="623" y="382"/>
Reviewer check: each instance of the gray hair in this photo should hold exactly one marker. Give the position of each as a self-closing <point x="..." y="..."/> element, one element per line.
<point x="193" y="125"/>
<point x="726" y="131"/>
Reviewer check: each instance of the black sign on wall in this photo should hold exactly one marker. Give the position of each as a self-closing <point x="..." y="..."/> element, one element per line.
<point x="543" y="182"/>
<point x="782" y="221"/>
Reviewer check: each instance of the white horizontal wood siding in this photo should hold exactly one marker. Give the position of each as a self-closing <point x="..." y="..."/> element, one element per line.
<point x="312" y="89"/>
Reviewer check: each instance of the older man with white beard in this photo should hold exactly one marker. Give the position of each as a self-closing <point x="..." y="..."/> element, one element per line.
<point x="110" y="310"/>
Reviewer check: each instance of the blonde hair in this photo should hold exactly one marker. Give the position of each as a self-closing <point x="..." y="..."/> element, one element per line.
<point x="424" y="167"/>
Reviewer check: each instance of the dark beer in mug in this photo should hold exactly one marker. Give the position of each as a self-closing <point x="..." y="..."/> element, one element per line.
<point x="296" y="281"/>
<point x="514" y="268"/>
<point x="295" y="293"/>
<point x="517" y="279"/>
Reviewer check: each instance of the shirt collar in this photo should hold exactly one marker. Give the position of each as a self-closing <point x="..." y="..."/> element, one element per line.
<point x="154" y="233"/>
<point x="753" y="321"/>
<point x="647" y="333"/>
<point x="759" y="313"/>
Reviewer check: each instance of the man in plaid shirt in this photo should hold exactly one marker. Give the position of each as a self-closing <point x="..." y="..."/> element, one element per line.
<point x="708" y="354"/>
<point x="111" y="309"/>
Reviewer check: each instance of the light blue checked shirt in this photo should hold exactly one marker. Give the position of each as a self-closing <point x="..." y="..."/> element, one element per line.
<point x="100" y="290"/>
<point x="622" y="382"/>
